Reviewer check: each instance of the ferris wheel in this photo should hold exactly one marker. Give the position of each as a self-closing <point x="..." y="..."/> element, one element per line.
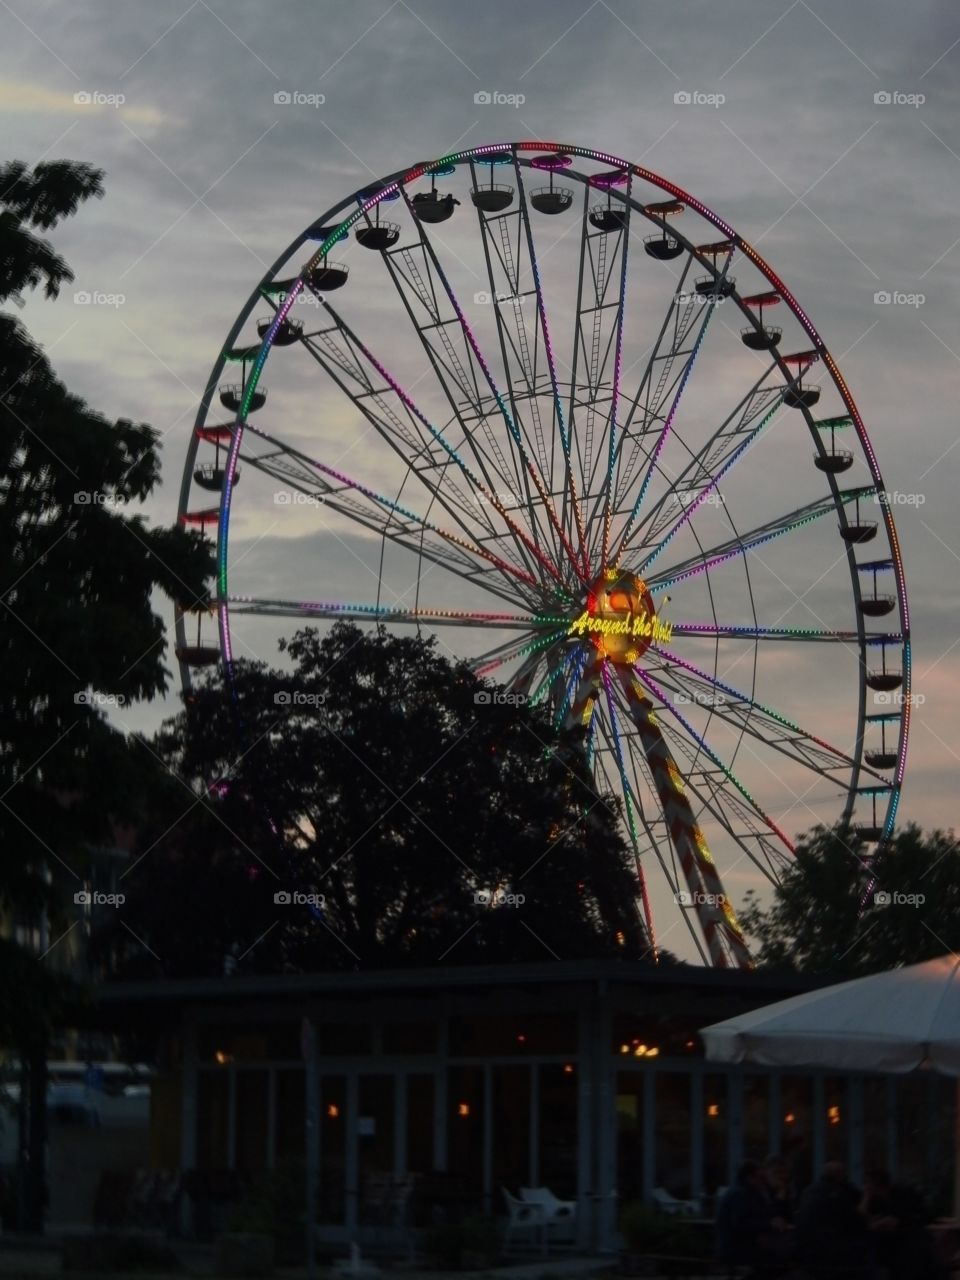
<point x="530" y="397"/>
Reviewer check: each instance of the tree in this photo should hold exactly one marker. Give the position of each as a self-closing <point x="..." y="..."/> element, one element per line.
<point x="78" y="571"/>
<point x="834" y="913"/>
<point x="437" y="820"/>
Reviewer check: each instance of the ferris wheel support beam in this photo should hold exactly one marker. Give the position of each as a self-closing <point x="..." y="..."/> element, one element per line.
<point x="721" y="929"/>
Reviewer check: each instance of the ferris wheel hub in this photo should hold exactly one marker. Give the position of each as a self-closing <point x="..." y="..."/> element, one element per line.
<point x="619" y="618"/>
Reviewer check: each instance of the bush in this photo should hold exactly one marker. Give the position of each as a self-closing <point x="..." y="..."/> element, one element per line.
<point x="646" y="1230"/>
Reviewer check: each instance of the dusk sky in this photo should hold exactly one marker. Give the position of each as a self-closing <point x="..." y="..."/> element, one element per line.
<point x="827" y="136"/>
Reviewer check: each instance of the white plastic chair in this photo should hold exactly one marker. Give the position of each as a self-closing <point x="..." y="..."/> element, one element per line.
<point x="668" y="1203"/>
<point x="524" y="1216"/>
<point x="560" y="1216"/>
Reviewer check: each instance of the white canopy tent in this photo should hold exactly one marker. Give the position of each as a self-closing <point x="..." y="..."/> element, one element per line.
<point x="904" y="1020"/>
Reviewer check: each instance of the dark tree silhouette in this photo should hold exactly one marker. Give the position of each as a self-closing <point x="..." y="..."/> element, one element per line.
<point x="396" y="786"/>
<point x="78" y="569"/>
<point x="820" y="922"/>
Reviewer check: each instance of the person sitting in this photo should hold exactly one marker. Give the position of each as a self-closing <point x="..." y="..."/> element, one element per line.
<point x="748" y="1225"/>
<point x="832" y="1236"/>
<point x="897" y="1220"/>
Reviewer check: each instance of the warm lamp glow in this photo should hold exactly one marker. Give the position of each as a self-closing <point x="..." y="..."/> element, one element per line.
<point x="713" y="1110"/>
<point x="333" y="1111"/>
<point x="789" y="1118"/>
<point x="568" y="1068"/>
<point x="463" y="1108"/>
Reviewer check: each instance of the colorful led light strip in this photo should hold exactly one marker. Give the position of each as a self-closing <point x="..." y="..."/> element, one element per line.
<point x="651" y="465"/>
<point x="701" y="497"/>
<point x="740" y="696"/>
<point x="743" y="547"/>
<point x="615" y="391"/>
<point x="521" y="651"/>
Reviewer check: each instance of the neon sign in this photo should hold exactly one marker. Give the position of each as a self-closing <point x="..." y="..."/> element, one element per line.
<point x="620" y="619"/>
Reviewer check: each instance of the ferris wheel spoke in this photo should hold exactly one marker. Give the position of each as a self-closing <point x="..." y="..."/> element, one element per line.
<point x="698" y="481"/>
<point x="661" y="436"/>
<point x="533" y="645"/>
<point x="715" y="796"/>
<point x="401" y="615"/>
<point x="427" y="298"/>
<point x="744" y="542"/>
<point x="656" y="385"/>
<point x="598" y="330"/>
<point x="570" y="488"/>
<point x="704" y="745"/>
<point x="692" y="686"/>
<point x="335" y="490"/>
<point x="491" y="499"/>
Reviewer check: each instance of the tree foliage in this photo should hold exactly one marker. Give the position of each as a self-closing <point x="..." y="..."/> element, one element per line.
<point x="78" y="570"/>
<point x="396" y="786"/>
<point x="836" y="913"/>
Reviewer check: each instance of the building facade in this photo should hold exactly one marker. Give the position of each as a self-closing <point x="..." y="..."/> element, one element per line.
<point x="589" y="1079"/>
